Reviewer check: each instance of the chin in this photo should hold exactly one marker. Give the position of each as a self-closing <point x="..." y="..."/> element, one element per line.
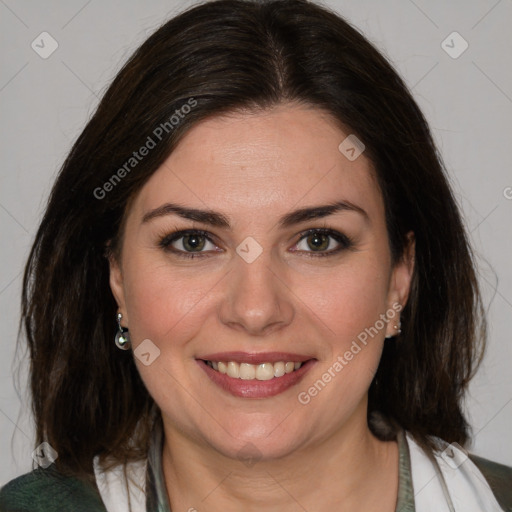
<point x="250" y="440"/>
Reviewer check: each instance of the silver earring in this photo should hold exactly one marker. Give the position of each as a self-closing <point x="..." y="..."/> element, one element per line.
<point x="122" y="336"/>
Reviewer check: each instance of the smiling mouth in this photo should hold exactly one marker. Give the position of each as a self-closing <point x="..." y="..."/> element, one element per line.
<point x="247" y="375"/>
<point x="247" y="371"/>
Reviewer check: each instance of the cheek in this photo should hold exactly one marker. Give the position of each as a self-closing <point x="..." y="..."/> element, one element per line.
<point x="163" y="304"/>
<point x="350" y="306"/>
<point x="167" y="307"/>
<point x="350" y="302"/>
<point x="349" y="299"/>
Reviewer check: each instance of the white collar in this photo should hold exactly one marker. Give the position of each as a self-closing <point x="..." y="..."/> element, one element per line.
<point x="122" y="490"/>
<point x="449" y="483"/>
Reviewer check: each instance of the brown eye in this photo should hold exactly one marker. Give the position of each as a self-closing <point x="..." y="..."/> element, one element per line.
<point x="194" y="242"/>
<point x="323" y="242"/>
<point x="188" y="243"/>
<point x="318" y="241"/>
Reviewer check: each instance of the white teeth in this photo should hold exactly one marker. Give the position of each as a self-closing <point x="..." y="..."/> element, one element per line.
<point x="233" y="370"/>
<point x="265" y="371"/>
<point x="279" y="370"/>
<point x="246" y="371"/>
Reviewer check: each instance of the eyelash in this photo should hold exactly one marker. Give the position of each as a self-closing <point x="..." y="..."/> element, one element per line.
<point x="344" y="242"/>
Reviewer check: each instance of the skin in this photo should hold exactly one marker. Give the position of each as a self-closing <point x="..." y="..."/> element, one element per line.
<point x="255" y="168"/>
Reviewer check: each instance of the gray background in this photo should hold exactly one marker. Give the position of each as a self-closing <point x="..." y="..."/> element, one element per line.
<point x="468" y="102"/>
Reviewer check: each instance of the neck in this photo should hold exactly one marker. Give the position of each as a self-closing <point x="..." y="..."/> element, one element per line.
<point x="350" y="470"/>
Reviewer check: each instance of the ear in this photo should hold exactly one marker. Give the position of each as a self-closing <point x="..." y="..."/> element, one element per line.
<point x="400" y="280"/>
<point x="117" y="284"/>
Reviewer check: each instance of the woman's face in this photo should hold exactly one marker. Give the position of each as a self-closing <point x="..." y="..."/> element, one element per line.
<point x="284" y="259"/>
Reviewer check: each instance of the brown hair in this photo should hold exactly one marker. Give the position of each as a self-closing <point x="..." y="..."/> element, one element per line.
<point x="224" y="56"/>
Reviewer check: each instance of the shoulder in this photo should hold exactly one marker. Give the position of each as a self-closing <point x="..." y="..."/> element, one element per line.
<point x="499" y="478"/>
<point x="47" y="490"/>
<point x="448" y="472"/>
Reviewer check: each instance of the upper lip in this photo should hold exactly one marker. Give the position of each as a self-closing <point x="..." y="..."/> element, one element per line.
<point x="256" y="358"/>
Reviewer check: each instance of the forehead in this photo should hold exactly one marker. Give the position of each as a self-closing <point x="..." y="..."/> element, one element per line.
<point x="256" y="162"/>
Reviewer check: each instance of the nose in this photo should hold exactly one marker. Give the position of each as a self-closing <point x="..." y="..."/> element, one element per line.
<point x="257" y="301"/>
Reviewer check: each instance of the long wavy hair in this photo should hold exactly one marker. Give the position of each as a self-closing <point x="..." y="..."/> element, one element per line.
<point x="225" y="56"/>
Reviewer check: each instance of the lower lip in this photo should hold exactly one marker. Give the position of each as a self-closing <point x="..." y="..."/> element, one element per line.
<point x="256" y="388"/>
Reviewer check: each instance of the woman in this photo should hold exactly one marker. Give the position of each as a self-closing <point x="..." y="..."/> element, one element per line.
<point x="251" y="288"/>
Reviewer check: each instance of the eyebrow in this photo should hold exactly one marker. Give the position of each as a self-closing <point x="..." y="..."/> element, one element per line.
<point x="219" y="220"/>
